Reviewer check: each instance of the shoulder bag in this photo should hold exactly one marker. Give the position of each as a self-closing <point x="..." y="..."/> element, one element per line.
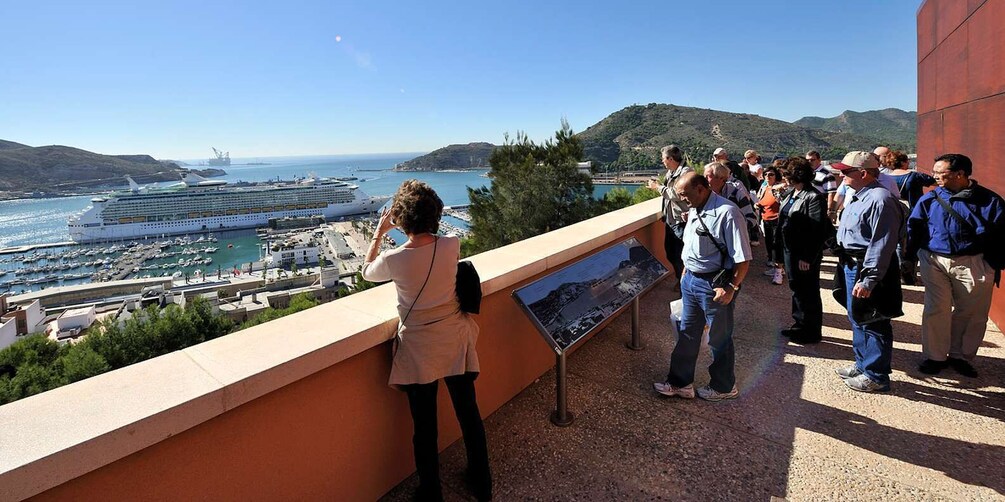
<point x="725" y="275"/>
<point x="401" y="323"/>
<point x="468" y="287"/>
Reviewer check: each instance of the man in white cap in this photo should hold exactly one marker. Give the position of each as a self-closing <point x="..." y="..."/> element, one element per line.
<point x="872" y="224"/>
<point x="721" y="156"/>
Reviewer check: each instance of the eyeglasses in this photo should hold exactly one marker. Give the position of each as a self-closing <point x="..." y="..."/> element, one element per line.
<point x="850" y="171"/>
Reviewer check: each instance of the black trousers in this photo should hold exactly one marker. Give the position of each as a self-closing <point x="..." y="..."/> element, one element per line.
<point x="807" y="308"/>
<point x="773" y="241"/>
<point x="422" y="403"/>
<point x="674" y="247"/>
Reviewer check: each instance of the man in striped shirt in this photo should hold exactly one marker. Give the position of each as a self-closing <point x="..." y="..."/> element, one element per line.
<point x="825" y="182"/>
<point x="719" y="179"/>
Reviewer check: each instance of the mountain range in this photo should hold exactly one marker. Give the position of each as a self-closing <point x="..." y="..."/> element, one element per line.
<point x="632" y="137"/>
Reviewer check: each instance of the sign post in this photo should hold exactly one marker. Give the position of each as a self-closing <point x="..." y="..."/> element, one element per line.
<point x="570" y="303"/>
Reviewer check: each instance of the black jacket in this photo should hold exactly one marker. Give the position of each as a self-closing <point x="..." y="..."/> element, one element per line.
<point x="806" y="227"/>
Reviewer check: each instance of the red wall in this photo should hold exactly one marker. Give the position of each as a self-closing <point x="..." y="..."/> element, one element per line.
<point x="961" y="91"/>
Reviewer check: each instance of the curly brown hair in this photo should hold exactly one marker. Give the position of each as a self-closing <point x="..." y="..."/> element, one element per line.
<point x="896" y="159"/>
<point x="799" y="170"/>
<point x="416" y="208"/>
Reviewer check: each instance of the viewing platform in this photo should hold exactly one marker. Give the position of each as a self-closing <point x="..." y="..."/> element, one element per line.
<point x="299" y="408"/>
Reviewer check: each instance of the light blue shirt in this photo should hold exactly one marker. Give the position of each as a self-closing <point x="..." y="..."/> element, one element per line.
<point x="727" y="227"/>
<point x="873" y="222"/>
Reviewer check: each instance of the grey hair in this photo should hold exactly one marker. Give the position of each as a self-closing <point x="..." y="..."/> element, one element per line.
<point x="672" y="152"/>
<point x="717" y="170"/>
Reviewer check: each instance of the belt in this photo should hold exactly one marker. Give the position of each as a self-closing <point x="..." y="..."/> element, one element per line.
<point x="951" y="256"/>
<point x="704" y="275"/>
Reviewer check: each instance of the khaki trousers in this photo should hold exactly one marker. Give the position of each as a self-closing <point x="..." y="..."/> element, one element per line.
<point x="957" y="300"/>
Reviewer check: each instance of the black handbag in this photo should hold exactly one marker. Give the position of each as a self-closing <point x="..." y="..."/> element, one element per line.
<point x="468" y="287"/>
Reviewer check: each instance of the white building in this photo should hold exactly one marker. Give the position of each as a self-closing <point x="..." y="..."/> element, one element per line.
<point x="287" y="253"/>
<point x="8" y="332"/>
<point x="71" y="322"/>
<point x="22" y="320"/>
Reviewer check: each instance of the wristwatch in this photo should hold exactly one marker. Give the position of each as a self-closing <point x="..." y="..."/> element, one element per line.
<point x="735" y="287"/>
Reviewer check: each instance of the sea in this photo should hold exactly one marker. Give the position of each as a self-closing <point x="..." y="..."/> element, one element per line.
<point x="43" y="221"/>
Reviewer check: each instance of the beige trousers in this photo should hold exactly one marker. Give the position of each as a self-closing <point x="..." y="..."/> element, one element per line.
<point x="957" y="300"/>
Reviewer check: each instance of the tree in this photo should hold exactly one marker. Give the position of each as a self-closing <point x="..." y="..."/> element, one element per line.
<point x="302" y="301"/>
<point x="617" y="198"/>
<point x="643" y="194"/>
<point x="535" y="189"/>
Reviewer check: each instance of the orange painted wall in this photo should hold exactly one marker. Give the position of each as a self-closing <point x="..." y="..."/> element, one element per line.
<point x="961" y="91"/>
<point x="340" y="434"/>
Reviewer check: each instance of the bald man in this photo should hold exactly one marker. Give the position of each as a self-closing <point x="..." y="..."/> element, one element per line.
<point x="716" y="258"/>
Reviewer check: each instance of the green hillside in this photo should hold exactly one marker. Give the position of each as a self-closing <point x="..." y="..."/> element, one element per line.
<point x="889" y="126"/>
<point x="632" y="137"/>
<point x="60" y="169"/>
<point x="471" y="155"/>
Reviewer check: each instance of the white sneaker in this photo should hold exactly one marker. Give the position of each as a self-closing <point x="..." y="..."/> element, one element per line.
<point x="776" y="277"/>
<point x="771" y="271"/>
<point x="770" y="263"/>
<point x="709" y="394"/>
<point x="686" y="392"/>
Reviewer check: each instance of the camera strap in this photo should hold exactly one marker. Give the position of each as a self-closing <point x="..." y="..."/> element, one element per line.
<point x="722" y="249"/>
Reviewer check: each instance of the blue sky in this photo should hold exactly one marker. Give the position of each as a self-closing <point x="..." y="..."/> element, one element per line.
<point x="173" y="78"/>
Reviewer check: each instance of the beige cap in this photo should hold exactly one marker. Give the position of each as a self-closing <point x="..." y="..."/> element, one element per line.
<point x="856" y="160"/>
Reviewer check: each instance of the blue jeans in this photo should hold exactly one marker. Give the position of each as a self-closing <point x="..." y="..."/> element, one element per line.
<point x="699" y="310"/>
<point x="872" y="343"/>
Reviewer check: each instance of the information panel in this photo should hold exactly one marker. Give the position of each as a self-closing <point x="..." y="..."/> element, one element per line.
<point x="570" y="302"/>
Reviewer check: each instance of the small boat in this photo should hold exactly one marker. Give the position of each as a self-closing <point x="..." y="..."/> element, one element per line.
<point x="230" y="245"/>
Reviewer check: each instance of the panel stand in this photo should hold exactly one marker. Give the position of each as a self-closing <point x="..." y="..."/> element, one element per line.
<point x="561" y="417"/>
<point x="636" y="343"/>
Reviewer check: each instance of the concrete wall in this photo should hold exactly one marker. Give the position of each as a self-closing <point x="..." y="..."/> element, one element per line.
<point x="294" y="409"/>
<point x="961" y="91"/>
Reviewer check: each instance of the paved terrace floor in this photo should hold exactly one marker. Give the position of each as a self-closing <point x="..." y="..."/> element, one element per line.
<point x="796" y="432"/>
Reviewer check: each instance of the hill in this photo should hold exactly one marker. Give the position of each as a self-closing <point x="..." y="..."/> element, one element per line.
<point x="633" y="136"/>
<point x="469" y="156"/>
<point x="891" y="125"/>
<point x="10" y="145"/>
<point x="61" y="169"/>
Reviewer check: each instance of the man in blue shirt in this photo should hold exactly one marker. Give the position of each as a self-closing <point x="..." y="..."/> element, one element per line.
<point x="716" y="258"/>
<point x="955" y="231"/>
<point x="871" y="226"/>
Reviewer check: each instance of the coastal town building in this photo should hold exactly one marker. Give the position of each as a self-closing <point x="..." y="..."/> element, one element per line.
<point x="19" y="319"/>
<point x="72" y="323"/>
<point x="288" y="252"/>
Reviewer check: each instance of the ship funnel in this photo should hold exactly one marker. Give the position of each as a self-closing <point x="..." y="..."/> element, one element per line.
<point x="132" y="184"/>
<point x="192" y="178"/>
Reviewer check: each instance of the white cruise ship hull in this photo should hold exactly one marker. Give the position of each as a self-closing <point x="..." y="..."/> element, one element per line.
<point x="210" y="210"/>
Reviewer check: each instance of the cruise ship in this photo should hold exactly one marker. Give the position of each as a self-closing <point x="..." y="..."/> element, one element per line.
<point x="200" y="205"/>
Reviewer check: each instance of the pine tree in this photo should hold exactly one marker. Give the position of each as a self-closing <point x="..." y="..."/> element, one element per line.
<point x="535" y="189"/>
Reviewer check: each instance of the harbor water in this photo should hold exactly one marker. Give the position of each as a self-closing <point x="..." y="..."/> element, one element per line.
<point x="43" y="221"/>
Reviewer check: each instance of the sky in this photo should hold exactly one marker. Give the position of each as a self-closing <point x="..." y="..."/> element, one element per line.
<point x="265" y="78"/>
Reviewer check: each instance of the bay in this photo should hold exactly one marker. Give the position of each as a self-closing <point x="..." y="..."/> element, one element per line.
<point x="44" y="221"/>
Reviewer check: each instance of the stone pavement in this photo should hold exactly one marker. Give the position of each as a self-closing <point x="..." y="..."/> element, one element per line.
<point x="795" y="432"/>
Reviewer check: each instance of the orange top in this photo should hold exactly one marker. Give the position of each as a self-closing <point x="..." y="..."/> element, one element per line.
<point x="768" y="204"/>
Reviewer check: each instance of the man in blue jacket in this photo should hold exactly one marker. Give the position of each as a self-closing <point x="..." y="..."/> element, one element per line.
<point x="953" y="230"/>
